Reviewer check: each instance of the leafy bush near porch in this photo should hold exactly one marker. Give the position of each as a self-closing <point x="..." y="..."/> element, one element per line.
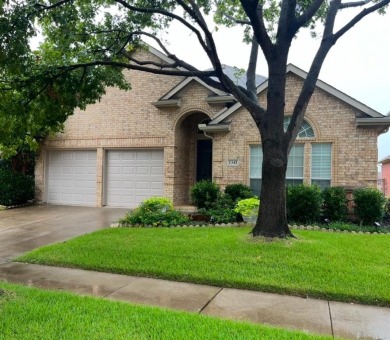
<point x="15" y="188"/>
<point x="335" y="203"/>
<point x="238" y="191"/>
<point x="221" y="211"/>
<point x="304" y="203"/>
<point x="221" y="215"/>
<point x="204" y="194"/>
<point x="369" y="205"/>
<point x="154" y="211"/>
<point x="216" y="205"/>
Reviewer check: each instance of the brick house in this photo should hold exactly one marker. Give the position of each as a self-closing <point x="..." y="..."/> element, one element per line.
<point x="385" y="176"/>
<point x="168" y="132"/>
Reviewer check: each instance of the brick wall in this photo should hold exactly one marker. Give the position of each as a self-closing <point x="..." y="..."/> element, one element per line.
<point x="354" y="150"/>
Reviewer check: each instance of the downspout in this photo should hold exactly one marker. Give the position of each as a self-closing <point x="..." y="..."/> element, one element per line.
<point x="212" y="153"/>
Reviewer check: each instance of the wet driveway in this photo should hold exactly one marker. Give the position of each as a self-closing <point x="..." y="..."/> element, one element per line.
<point x="24" y="229"/>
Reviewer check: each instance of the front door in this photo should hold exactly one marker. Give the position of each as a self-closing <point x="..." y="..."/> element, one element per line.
<point x="204" y="159"/>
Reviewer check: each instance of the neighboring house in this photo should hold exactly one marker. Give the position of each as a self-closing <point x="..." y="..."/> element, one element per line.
<point x="385" y="176"/>
<point x="169" y="132"/>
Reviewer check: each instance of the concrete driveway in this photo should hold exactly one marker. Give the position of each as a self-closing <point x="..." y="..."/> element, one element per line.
<point x="24" y="229"/>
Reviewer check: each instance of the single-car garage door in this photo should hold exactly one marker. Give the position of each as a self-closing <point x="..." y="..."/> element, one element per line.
<point x="132" y="176"/>
<point x="71" y="177"/>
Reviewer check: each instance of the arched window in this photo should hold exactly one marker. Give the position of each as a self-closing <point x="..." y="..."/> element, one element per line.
<point x="306" y="131"/>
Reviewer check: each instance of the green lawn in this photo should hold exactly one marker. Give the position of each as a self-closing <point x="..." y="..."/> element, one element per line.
<point x="335" y="266"/>
<point x="29" y="313"/>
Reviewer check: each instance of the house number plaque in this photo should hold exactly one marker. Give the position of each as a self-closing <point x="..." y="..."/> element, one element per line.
<point x="233" y="162"/>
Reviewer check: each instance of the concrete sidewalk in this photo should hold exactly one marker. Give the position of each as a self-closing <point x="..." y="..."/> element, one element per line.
<point x="316" y="316"/>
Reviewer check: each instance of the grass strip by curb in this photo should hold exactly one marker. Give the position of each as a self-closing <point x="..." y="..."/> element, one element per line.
<point x="29" y="313"/>
<point x="334" y="266"/>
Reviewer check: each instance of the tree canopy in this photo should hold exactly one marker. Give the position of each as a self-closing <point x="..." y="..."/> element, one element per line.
<point x="87" y="44"/>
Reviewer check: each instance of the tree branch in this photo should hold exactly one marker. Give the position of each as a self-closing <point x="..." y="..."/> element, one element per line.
<point x="251" y="72"/>
<point x="306" y="16"/>
<point x="254" y="11"/>
<point x="328" y="40"/>
<point x="211" y="50"/>
<point x="42" y="7"/>
<point x="354" y="4"/>
<point x="360" y="16"/>
<point x="237" y="21"/>
<point x="287" y="27"/>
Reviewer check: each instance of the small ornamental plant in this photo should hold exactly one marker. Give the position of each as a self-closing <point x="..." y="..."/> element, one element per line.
<point x="248" y="207"/>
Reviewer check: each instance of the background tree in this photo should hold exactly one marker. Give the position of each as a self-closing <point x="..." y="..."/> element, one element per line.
<point x="88" y="43"/>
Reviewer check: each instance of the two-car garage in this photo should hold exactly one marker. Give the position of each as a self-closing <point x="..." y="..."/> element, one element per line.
<point x="128" y="177"/>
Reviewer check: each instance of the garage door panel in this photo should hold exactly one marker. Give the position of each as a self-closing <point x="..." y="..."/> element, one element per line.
<point x="156" y="170"/>
<point x="128" y="185"/>
<point x="67" y="170"/>
<point x="128" y="170"/>
<point x="157" y="156"/>
<point x="66" y="156"/>
<point x="67" y="183"/>
<point x="71" y="177"/>
<point x="133" y="175"/>
<point x="142" y="170"/>
<point x="156" y="186"/>
<point x="141" y="185"/>
<point x="129" y="156"/>
<point x="143" y="155"/>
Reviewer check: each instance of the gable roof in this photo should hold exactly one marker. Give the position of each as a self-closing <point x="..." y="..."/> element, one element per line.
<point x="226" y="113"/>
<point x="232" y="72"/>
<point x="374" y="117"/>
<point x="238" y="76"/>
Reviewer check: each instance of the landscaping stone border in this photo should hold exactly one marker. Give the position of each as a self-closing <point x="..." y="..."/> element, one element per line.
<point x="243" y="224"/>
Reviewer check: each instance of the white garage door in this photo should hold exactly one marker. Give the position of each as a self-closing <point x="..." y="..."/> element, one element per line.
<point x="71" y="177"/>
<point x="132" y="176"/>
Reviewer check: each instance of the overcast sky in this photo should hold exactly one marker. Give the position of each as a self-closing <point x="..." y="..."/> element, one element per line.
<point x="359" y="64"/>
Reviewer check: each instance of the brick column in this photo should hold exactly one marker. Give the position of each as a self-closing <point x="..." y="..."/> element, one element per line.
<point x="100" y="157"/>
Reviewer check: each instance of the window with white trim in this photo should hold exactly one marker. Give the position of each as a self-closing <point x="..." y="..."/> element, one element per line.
<point x="294" y="174"/>
<point x="306" y="131"/>
<point x="321" y="164"/>
<point x="256" y="164"/>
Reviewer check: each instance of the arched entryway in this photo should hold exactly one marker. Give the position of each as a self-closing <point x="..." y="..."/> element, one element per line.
<point x="193" y="156"/>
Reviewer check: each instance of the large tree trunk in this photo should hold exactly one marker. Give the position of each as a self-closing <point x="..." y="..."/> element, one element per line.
<point x="272" y="218"/>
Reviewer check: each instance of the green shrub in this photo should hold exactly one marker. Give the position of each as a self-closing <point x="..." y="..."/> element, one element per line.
<point x="15" y="188"/>
<point x="246" y="206"/>
<point x="155" y="211"/>
<point x="304" y="203"/>
<point x="204" y="194"/>
<point x="220" y="214"/>
<point x="355" y="227"/>
<point x="238" y="191"/>
<point x="369" y="205"/>
<point x="335" y="204"/>
<point x="387" y="208"/>
<point x="221" y="211"/>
